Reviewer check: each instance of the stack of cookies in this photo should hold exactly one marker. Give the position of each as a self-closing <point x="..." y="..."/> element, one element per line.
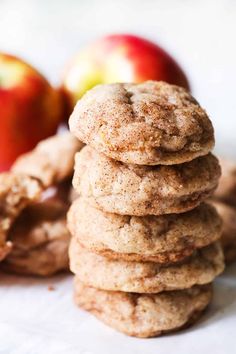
<point x="144" y="246"/>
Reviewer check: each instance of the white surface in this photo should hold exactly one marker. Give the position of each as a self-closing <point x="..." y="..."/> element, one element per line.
<point x="34" y="320"/>
<point x="201" y="35"/>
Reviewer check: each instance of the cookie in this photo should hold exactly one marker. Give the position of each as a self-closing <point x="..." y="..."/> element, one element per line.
<point x="52" y="160"/>
<point x="145" y="277"/>
<point x="124" y="189"/>
<point x="226" y="191"/>
<point x="40" y="240"/>
<point x="161" y="239"/>
<point x="149" y="123"/>
<point x="144" y="315"/>
<point x="39" y="236"/>
<point x="16" y="192"/>
<point x="228" y="239"/>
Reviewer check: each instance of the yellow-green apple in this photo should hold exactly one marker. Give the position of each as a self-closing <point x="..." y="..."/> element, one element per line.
<point x="30" y="108"/>
<point x="119" y="58"/>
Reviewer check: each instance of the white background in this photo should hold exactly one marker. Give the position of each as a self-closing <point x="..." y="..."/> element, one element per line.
<point x="201" y="36"/>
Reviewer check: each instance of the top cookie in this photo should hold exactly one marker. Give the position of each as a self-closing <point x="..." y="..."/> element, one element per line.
<point x="150" y="123"/>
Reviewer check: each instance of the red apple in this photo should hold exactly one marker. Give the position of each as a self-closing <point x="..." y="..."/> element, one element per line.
<point x="30" y="109"/>
<point x="119" y="58"/>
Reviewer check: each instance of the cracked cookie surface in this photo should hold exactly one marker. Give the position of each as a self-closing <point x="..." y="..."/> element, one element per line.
<point x="51" y="161"/>
<point x="145" y="277"/>
<point x="16" y="192"/>
<point x="144" y="315"/>
<point x="148" y="124"/>
<point x="124" y="189"/>
<point x="162" y="239"/>
<point x="40" y="240"/>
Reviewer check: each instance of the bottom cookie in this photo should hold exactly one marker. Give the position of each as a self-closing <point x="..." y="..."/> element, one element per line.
<point x="144" y="315"/>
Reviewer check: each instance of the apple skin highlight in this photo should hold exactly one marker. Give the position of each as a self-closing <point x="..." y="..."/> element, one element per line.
<point x="30" y="109"/>
<point x="119" y="58"/>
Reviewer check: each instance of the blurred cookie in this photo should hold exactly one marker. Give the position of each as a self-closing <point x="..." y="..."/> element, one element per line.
<point x="162" y="239"/>
<point x="144" y="315"/>
<point x="226" y="190"/>
<point x="145" y="277"/>
<point x="39" y="236"/>
<point x="228" y="239"/>
<point x="40" y="240"/>
<point x="148" y="123"/>
<point x="16" y="192"/>
<point x="140" y="190"/>
<point x="52" y="160"/>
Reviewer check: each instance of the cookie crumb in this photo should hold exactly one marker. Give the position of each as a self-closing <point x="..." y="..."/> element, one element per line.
<point x="51" y="288"/>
